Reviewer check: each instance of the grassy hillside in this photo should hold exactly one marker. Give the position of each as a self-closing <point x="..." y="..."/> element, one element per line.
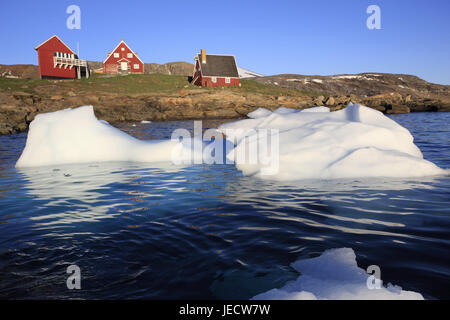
<point x="133" y="84"/>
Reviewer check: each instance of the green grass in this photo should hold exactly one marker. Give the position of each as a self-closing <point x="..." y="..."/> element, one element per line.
<point x="256" y="87"/>
<point x="136" y="84"/>
<point x="18" y="85"/>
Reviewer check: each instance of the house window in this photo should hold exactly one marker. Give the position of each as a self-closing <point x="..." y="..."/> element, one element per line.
<point x="129" y="55"/>
<point x="123" y="49"/>
<point x="116" y="55"/>
<point x="136" y="66"/>
<point x="214" y="79"/>
<point x="227" y="80"/>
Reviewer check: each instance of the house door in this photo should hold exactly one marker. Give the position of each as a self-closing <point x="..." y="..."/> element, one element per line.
<point x="124" y="66"/>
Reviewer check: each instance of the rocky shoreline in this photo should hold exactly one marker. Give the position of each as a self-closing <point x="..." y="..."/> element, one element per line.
<point x="18" y="109"/>
<point x="159" y="97"/>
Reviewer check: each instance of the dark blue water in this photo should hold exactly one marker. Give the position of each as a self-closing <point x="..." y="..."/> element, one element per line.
<point x="148" y="231"/>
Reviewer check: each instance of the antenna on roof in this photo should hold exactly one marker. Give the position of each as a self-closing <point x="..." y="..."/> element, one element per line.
<point x="78" y="49"/>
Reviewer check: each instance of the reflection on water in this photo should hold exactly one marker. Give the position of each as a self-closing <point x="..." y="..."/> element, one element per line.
<point x="161" y="231"/>
<point x="85" y="189"/>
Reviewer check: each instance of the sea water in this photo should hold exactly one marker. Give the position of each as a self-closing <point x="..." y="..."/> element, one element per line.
<point x="207" y="231"/>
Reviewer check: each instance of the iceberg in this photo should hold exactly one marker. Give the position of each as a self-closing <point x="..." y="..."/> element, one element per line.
<point x="77" y="136"/>
<point x="356" y="142"/>
<point x="335" y="275"/>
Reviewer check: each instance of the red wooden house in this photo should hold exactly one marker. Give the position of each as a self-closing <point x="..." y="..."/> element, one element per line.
<point x="123" y="60"/>
<point x="214" y="70"/>
<point x="57" y="60"/>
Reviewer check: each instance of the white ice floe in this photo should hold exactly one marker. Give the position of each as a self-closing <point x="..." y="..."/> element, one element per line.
<point x="335" y="275"/>
<point x="76" y="136"/>
<point x="145" y="122"/>
<point x="317" y="109"/>
<point x="313" y="144"/>
<point x="259" y="113"/>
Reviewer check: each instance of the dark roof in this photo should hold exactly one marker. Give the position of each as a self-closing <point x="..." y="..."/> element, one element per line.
<point x="219" y="66"/>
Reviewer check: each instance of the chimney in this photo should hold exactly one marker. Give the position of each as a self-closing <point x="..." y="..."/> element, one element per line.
<point x="203" y="56"/>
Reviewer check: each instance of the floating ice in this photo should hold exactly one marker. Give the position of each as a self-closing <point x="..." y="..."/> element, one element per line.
<point x="76" y="136"/>
<point x="317" y="144"/>
<point x="313" y="144"/>
<point x="259" y="113"/>
<point x="334" y="275"/>
<point x="145" y="122"/>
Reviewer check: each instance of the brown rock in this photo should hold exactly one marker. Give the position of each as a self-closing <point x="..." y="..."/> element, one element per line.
<point x="379" y="108"/>
<point x="444" y="107"/>
<point x="93" y="99"/>
<point x="338" y="107"/>
<point x="30" y="117"/>
<point x="319" y="101"/>
<point x="5" y="129"/>
<point x="397" y="109"/>
<point x="329" y="101"/>
<point x="21" y="127"/>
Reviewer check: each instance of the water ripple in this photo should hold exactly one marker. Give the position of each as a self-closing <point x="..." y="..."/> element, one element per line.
<point x="160" y="231"/>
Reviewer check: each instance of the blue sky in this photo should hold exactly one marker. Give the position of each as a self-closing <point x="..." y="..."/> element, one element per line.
<point x="271" y="37"/>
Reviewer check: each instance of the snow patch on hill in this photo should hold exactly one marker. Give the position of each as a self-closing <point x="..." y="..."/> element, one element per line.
<point x="243" y="73"/>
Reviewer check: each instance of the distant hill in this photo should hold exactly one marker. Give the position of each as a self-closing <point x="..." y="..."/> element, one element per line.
<point x="162" y="97"/>
<point x="29" y="71"/>
<point x="361" y="85"/>
<point x="373" y="86"/>
<point x="21" y="71"/>
<point x="172" y="68"/>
